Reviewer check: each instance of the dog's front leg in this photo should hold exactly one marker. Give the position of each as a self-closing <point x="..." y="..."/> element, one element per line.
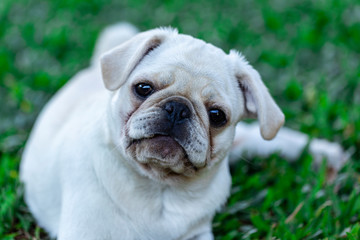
<point x="288" y="143"/>
<point x="87" y="214"/>
<point x="200" y="232"/>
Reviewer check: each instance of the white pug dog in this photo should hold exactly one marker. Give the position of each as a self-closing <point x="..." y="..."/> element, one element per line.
<point x="146" y="156"/>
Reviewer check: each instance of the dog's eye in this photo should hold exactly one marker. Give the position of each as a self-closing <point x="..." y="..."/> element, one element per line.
<point x="143" y="89"/>
<point x="217" y="117"/>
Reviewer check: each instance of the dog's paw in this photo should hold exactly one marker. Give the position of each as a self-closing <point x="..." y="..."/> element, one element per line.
<point x="332" y="153"/>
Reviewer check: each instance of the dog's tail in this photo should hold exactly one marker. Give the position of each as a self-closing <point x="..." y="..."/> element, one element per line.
<point x="111" y="37"/>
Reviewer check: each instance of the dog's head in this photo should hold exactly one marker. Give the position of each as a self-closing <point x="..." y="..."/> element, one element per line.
<point x="176" y="101"/>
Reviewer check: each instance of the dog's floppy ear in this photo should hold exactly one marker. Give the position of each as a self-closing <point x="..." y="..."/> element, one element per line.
<point x="258" y="102"/>
<point x="118" y="63"/>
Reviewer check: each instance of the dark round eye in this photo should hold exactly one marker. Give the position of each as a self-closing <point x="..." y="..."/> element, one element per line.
<point x="217" y="117"/>
<point x="143" y="89"/>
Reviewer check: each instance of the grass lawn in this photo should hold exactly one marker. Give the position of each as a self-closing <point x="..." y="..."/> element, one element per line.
<point x="306" y="51"/>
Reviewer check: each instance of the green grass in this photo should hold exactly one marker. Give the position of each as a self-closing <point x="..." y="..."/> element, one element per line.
<point x="307" y="52"/>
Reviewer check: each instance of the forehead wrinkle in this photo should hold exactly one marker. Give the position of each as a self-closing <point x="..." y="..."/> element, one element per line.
<point x="217" y="73"/>
<point x="209" y="93"/>
<point x="193" y="80"/>
<point x="206" y="86"/>
<point x="195" y="64"/>
<point x="192" y="69"/>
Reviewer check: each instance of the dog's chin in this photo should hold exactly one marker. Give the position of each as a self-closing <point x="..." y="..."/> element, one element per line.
<point x="161" y="158"/>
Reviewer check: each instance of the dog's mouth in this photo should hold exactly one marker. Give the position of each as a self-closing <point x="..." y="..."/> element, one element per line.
<point x="163" y="143"/>
<point x="162" y="156"/>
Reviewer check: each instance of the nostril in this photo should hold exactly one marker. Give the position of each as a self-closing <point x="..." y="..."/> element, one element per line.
<point x="185" y="113"/>
<point x="169" y="108"/>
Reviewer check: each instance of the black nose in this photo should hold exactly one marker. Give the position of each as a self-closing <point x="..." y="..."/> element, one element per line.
<point x="177" y="112"/>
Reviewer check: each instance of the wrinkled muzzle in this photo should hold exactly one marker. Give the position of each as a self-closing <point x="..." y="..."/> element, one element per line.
<point x="169" y="137"/>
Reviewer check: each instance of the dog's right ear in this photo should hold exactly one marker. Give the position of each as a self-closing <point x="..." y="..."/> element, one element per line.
<point x="258" y="102"/>
<point x="118" y="63"/>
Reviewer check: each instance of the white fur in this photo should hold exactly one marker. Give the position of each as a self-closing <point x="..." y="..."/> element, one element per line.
<point x="79" y="186"/>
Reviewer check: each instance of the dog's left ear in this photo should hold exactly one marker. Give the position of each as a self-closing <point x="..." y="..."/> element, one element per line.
<point x="118" y="63"/>
<point x="258" y="102"/>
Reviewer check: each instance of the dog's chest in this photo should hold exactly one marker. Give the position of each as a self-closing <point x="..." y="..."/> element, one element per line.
<point x="162" y="213"/>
